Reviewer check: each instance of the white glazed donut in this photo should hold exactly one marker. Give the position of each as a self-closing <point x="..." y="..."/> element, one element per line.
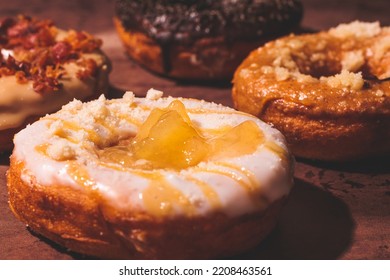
<point x="87" y="192"/>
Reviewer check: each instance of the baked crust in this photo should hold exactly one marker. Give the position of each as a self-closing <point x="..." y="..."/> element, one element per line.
<point x="81" y="221"/>
<point x="200" y="40"/>
<point x="205" y="59"/>
<point x="330" y="138"/>
<point x="286" y="84"/>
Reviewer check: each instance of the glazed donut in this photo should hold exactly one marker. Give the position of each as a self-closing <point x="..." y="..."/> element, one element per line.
<point x="154" y="178"/>
<point x="41" y="69"/>
<point x="200" y="40"/>
<point x="328" y="93"/>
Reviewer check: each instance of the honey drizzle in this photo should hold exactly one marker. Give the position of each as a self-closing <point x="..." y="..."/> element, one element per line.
<point x="161" y="198"/>
<point x="92" y="135"/>
<point x="276" y="149"/>
<point x="107" y="126"/>
<point x="249" y="174"/>
<point x="129" y="119"/>
<point x="208" y="191"/>
<point x="258" y="199"/>
<point x="80" y="175"/>
<point x="231" y="174"/>
<point x="154" y="176"/>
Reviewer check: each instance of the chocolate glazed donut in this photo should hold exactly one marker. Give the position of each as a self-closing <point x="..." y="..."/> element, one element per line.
<point x="201" y="39"/>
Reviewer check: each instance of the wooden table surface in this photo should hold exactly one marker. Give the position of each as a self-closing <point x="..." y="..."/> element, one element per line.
<point x="336" y="211"/>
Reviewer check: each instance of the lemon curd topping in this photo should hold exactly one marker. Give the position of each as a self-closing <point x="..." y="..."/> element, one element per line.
<point x="169" y="139"/>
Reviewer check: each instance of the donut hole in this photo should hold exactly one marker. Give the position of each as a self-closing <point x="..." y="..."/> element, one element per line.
<point x="318" y="65"/>
<point x="330" y="61"/>
<point x="327" y="59"/>
<point x="343" y="69"/>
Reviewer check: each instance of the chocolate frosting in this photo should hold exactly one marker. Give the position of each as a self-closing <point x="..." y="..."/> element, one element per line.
<point x="184" y="21"/>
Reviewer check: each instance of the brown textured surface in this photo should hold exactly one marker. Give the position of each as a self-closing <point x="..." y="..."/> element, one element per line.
<point x="334" y="212"/>
<point x="346" y="124"/>
<point x="215" y="59"/>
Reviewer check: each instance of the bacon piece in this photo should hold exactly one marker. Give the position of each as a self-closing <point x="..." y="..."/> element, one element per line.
<point x="40" y="56"/>
<point x="90" y="69"/>
<point x="46" y="84"/>
<point x="61" y="51"/>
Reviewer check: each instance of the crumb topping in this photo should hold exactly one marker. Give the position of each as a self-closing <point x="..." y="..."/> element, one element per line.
<point x="345" y="79"/>
<point x="310" y="60"/>
<point x="154" y="94"/>
<point x="32" y="51"/>
<point x="352" y="61"/>
<point x="129" y="96"/>
<point x="382" y="47"/>
<point x="321" y="71"/>
<point x="358" y="29"/>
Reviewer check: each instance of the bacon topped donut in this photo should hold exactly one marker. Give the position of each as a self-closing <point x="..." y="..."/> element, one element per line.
<point x="328" y="93"/>
<point x="42" y="68"/>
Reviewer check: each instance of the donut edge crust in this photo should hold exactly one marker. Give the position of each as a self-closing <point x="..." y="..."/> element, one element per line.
<point x="311" y="131"/>
<point x="80" y="221"/>
<point x="222" y="59"/>
<point x="325" y="138"/>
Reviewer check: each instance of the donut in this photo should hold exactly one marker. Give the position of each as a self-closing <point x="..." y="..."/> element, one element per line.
<point x="200" y="40"/>
<point x="327" y="92"/>
<point x="150" y="178"/>
<point x="42" y="68"/>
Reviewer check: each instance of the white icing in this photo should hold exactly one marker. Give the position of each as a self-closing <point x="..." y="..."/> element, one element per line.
<point x="19" y="101"/>
<point x="124" y="189"/>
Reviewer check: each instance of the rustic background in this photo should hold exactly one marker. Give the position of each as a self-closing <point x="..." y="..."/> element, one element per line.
<point x="336" y="211"/>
